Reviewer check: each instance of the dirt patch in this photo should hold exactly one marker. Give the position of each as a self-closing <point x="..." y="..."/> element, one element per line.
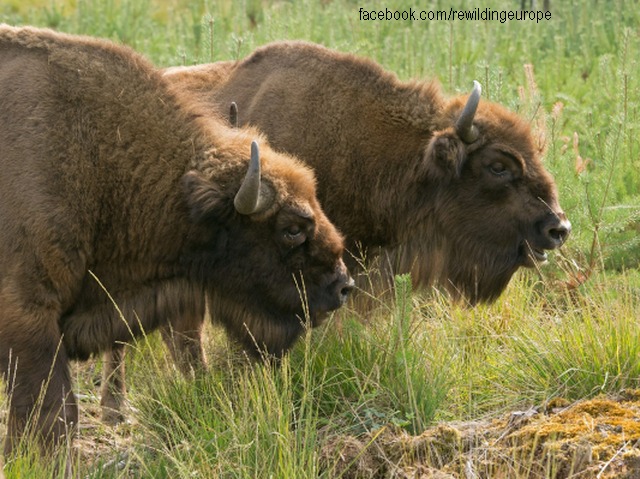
<point x="599" y="438"/>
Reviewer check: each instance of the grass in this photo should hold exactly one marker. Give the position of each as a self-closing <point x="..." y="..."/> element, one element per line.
<point x="570" y="330"/>
<point x="420" y="362"/>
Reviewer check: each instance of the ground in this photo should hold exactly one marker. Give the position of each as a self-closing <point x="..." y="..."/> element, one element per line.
<point x="597" y="438"/>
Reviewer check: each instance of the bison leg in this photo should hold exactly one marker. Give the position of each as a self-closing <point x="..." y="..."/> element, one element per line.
<point x="35" y="368"/>
<point x="184" y="343"/>
<point x="113" y="385"/>
<point x="183" y="337"/>
<point x="185" y="347"/>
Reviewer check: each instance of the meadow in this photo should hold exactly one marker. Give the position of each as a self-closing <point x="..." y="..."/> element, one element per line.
<point x="542" y="384"/>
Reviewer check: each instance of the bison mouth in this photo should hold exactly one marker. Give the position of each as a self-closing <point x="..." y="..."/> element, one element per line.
<point x="330" y="298"/>
<point x="531" y="256"/>
<point x="319" y="317"/>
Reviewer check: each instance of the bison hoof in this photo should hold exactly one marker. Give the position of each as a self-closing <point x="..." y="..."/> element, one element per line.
<point x="112" y="417"/>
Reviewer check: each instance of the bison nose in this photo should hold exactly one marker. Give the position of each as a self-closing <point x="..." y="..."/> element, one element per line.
<point x="345" y="288"/>
<point x="557" y="232"/>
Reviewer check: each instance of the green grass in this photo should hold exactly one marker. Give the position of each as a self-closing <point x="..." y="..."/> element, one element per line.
<point x="418" y="360"/>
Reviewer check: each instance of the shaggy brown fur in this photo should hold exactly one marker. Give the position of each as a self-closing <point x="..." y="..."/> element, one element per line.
<point x="112" y="186"/>
<point x="392" y="172"/>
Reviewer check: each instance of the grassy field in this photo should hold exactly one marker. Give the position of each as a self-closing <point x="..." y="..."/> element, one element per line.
<point x="422" y="388"/>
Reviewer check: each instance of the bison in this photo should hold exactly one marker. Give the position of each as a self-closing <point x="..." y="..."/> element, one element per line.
<point x="116" y="190"/>
<point x="451" y="190"/>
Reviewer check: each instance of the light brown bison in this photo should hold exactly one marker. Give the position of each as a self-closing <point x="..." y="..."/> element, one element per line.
<point x="113" y="186"/>
<point x="452" y="190"/>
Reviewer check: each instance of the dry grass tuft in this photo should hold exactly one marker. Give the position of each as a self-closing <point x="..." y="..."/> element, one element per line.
<point x="598" y="438"/>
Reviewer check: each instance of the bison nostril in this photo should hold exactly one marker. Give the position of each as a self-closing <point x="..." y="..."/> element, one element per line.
<point x="558" y="233"/>
<point x="347" y="289"/>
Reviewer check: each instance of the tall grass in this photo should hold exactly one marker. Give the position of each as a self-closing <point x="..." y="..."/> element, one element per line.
<point x="420" y="361"/>
<point x="570" y="329"/>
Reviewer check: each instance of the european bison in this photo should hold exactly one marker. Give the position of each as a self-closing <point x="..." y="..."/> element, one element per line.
<point x="452" y="190"/>
<point x="113" y="186"/>
<point x="423" y="184"/>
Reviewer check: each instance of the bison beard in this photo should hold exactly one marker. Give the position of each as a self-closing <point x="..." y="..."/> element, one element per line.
<point x="117" y="189"/>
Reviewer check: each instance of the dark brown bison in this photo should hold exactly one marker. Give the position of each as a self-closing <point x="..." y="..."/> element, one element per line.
<point x="115" y="190"/>
<point x="451" y="190"/>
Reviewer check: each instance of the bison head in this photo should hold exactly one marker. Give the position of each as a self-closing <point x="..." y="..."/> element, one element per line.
<point x="495" y="207"/>
<point x="271" y="258"/>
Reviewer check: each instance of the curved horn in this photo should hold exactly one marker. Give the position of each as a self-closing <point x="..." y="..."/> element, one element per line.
<point x="233" y="114"/>
<point x="252" y="195"/>
<point x="464" y="125"/>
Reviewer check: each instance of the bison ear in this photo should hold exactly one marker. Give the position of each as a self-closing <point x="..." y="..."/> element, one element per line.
<point x="445" y="156"/>
<point x="203" y="197"/>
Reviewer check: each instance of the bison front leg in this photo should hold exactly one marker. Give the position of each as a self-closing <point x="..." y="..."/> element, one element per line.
<point x="185" y="346"/>
<point x="113" y="385"/>
<point x="183" y="338"/>
<point x="34" y="365"/>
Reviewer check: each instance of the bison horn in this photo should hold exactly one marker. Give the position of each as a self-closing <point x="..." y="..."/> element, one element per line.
<point x="253" y="196"/>
<point x="464" y="125"/>
<point x="233" y="114"/>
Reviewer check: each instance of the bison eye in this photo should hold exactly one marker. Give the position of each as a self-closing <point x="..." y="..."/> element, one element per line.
<point x="292" y="231"/>
<point x="293" y="236"/>
<point x="498" y="168"/>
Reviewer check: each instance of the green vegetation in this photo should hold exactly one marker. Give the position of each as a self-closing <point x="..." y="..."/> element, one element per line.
<point x="570" y="329"/>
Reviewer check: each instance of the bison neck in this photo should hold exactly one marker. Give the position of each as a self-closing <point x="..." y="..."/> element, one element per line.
<point x="98" y="146"/>
<point x="123" y="143"/>
<point x="92" y="160"/>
